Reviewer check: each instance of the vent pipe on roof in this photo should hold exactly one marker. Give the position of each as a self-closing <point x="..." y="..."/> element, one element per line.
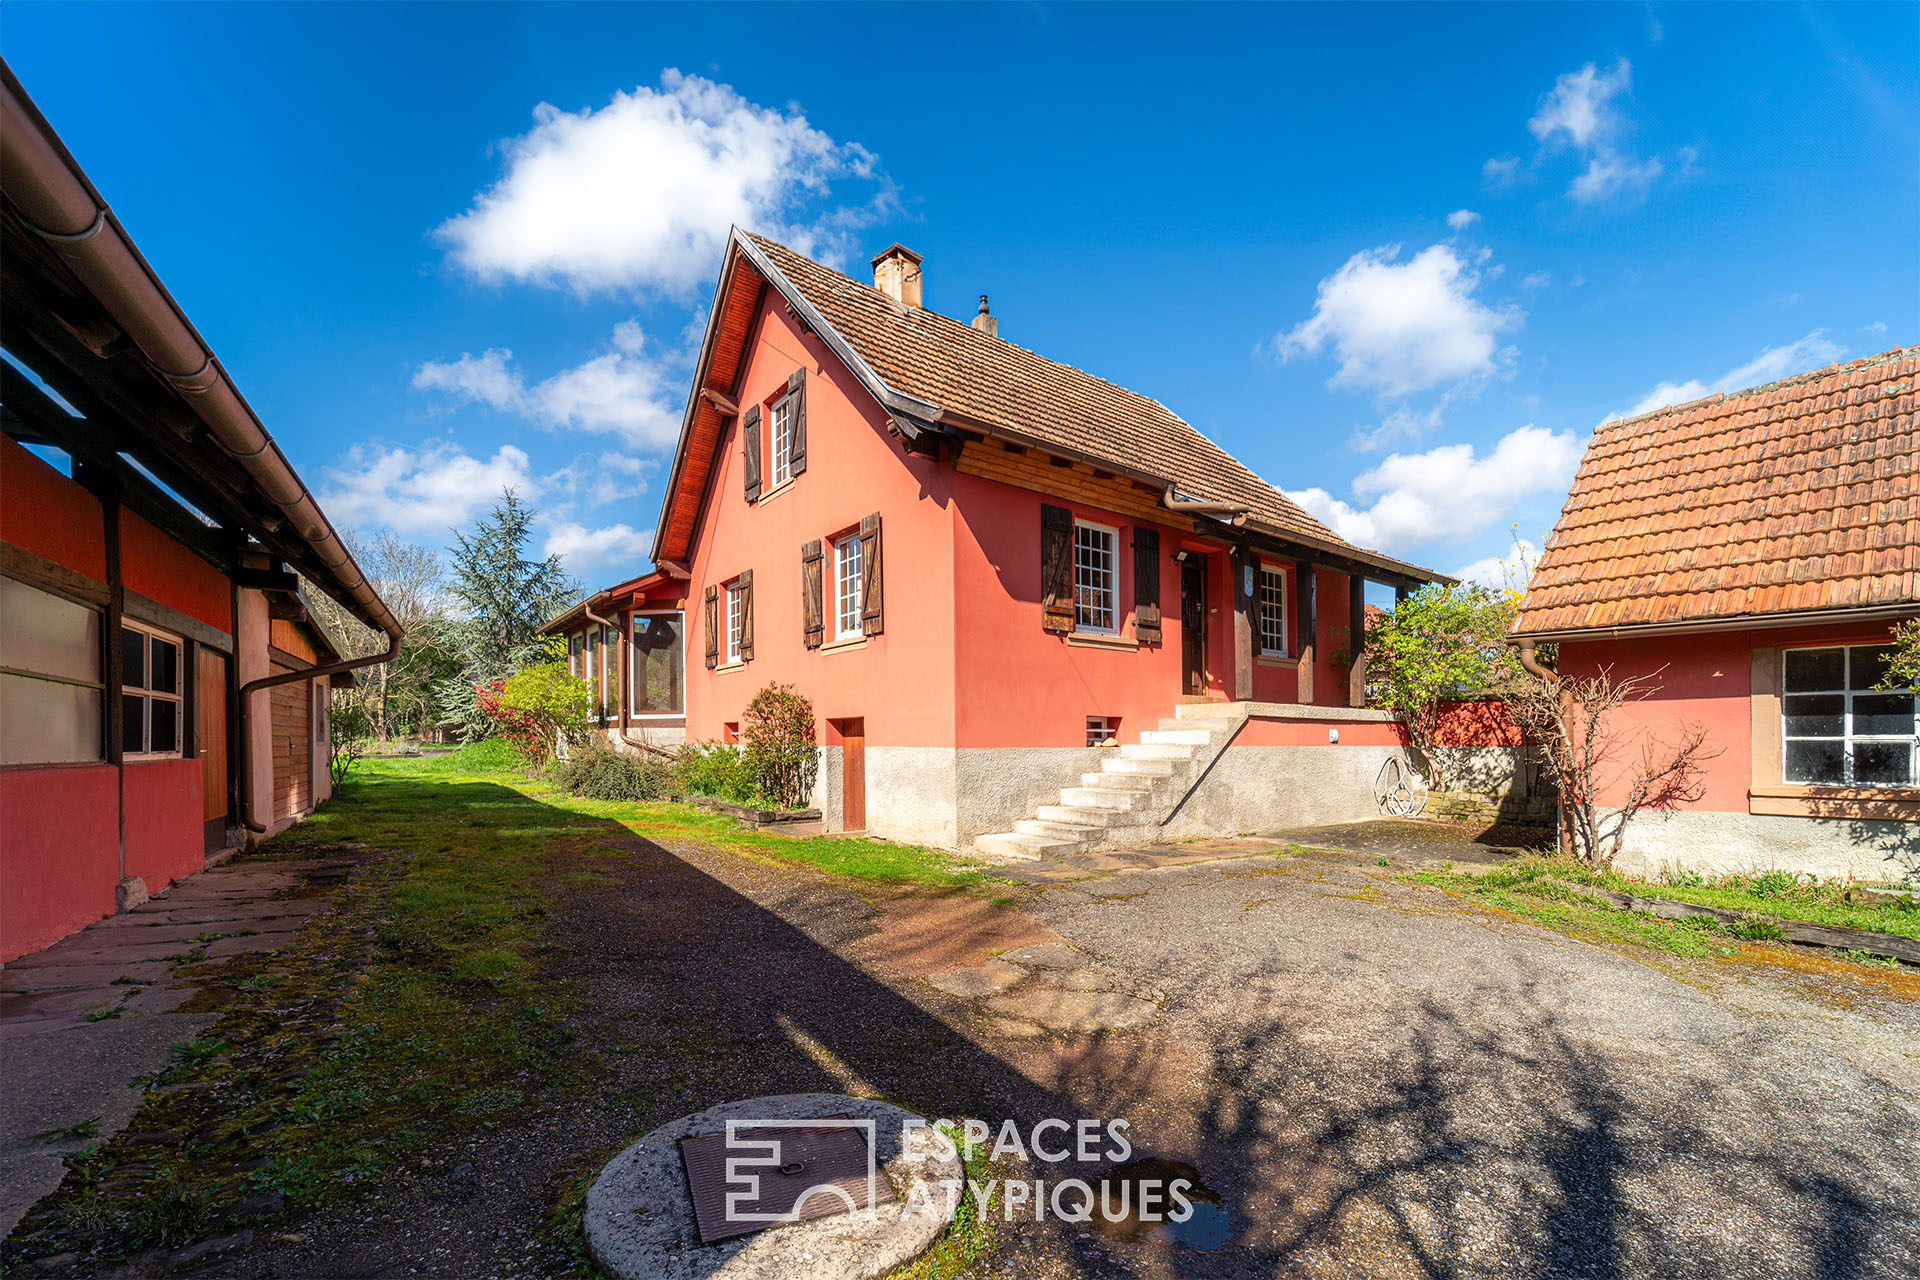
<point x="985" y="322"/>
<point x="896" y="273"/>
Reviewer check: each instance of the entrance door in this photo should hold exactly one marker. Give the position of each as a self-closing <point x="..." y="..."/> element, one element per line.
<point x="210" y="738"/>
<point x="853" y="773"/>
<point x="1193" y="624"/>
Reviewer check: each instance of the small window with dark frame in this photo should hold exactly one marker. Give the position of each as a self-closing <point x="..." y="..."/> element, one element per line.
<point x="150" y="692"/>
<point x="1103" y="731"/>
<point x="1837" y="729"/>
<point x="1273" y="613"/>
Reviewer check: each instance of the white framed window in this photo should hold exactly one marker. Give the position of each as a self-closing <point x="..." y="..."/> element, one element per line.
<point x="1102" y="729"/>
<point x="781" y="429"/>
<point x="50" y="685"/>
<point x="600" y="665"/>
<point x="1096" y="604"/>
<point x="1836" y="728"/>
<point x="658" y="665"/>
<point x="736" y="619"/>
<point x="150" y="692"/>
<point x="846" y="587"/>
<point x="1273" y="612"/>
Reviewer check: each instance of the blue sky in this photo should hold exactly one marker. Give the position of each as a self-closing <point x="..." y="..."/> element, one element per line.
<point x="1399" y="260"/>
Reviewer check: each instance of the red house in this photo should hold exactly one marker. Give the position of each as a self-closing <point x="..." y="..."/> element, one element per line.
<point x="1035" y="611"/>
<point x="1751" y="553"/>
<point x="163" y="692"/>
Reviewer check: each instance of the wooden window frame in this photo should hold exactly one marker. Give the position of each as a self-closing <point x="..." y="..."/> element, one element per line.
<point x="148" y="695"/>
<point x="847" y="597"/>
<point x="635" y="664"/>
<point x="779" y="417"/>
<point x="1113" y="605"/>
<point x="1283" y="590"/>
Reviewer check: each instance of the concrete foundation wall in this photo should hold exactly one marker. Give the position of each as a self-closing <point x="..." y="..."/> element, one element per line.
<point x="911" y="794"/>
<point x="1253" y="789"/>
<point x="1716" y="843"/>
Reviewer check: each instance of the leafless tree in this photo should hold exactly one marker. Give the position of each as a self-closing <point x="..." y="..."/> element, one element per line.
<point x="409" y="577"/>
<point x="1573" y="723"/>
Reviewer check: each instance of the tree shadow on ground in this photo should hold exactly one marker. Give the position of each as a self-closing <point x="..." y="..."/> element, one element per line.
<point x="1458" y="1147"/>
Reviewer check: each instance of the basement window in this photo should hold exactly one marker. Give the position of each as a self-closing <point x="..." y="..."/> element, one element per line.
<point x="1103" y="730"/>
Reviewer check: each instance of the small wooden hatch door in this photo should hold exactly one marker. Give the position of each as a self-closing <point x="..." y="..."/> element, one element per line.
<point x="853" y="773"/>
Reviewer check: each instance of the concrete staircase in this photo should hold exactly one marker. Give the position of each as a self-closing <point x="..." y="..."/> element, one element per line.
<point x="1136" y="787"/>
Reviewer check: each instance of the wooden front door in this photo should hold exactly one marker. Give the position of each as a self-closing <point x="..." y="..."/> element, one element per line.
<point x="1193" y="624"/>
<point x="292" y="790"/>
<point x="210" y="741"/>
<point x="853" y="773"/>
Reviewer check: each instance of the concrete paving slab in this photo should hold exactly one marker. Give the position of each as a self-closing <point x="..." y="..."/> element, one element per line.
<point x="1081" y="1011"/>
<point x="1051" y="955"/>
<point x="50" y="977"/>
<point x="987" y="979"/>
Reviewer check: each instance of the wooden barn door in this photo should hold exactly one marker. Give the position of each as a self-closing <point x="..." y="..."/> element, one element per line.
<point x="291" y="792"/>
<point x="210" y="741"/>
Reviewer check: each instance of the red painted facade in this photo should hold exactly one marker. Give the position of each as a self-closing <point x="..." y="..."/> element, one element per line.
<point x="963" y="660"/>
<point x="1704" y="679"/>
<point x="60" y="856"/>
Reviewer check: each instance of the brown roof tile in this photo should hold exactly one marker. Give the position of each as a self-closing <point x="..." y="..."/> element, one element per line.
<point x="1010" y="389"/>
<point x="1794" y="496"/>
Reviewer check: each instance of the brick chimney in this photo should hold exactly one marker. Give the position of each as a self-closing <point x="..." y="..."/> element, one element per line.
<point x="985" y="322"/>
<point x="896" y="273"/>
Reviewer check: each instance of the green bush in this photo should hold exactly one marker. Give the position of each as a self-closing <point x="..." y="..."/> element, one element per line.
<point x="714" y="769"/>
<point x="777" y="732"/>
<point x="599" y="773"/>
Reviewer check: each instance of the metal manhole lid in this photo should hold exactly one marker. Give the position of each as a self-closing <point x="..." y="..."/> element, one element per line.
<point x="782" y="1172"/>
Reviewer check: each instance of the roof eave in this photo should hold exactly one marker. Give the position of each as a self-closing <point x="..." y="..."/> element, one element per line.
<point x="1731" y="622"/>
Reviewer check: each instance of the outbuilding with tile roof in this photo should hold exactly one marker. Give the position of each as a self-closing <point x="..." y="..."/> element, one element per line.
<point x="1752" y="552"/>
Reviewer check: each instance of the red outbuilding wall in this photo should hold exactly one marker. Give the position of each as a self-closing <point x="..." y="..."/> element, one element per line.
<point x="60" y="855"/>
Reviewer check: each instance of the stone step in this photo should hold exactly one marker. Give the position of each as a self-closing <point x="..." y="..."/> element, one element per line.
<point x="1209" y="710"/>
<point x="1210" y="727"/>
<point x="1157" y="751"/>
<point x="1171" y="737"/>
<point x="1104" y="797"/>
<point x="1077" y="832"/>
<point x="1128" y="764"/>
<point x="1094" y="817"/>
<point x="1121" y="781"/>
<point x="1016" y="847"/>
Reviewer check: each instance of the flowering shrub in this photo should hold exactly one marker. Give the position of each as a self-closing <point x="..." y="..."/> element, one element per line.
<point x="777" y="732"/>
<point x="535" y="705"/>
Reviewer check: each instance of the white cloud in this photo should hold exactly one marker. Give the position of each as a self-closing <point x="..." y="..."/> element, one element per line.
<point x="621" y="392"/>
<point x="1580" y="105"/>
<point x="595" y="480"/>
<point x="1582" y="112"/>
<point x="1501" y="172"/>
<point x="582" y="548"/>
<point x="1403" y="423"/>
<point x="1400" y="327"/>
<point x="640" y="193"/>
<point x="1537" y="280"/>
<point x="1511" y="570"/>
<point x="1461" y="219"/>
<point x="1810" y="352"/>
<point x="1446" y="493"/>
<point x="420" y="491"/>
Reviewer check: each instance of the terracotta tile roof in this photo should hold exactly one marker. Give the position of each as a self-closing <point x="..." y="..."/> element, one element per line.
<point x="1012" y="390"/>
<point x="1800" y="495"/>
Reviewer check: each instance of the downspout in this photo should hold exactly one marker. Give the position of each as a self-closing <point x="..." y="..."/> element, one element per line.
<point x="1532" y="664"/>
<point x="288" y="677"/>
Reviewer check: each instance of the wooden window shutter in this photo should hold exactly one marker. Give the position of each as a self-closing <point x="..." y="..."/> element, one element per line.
<point x="797" y="421"/>
<point x="712" y="627"/>
<point x="1056" y="568"/>
<point x="750" y="450"/>
<point x="744" y="585"/>
<point x="870" y="602"/>
<point x="1146" y="585"/>
<point x="810" y="591"/>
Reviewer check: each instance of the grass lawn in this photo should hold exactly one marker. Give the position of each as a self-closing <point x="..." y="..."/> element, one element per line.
<point x="1543" y="889"/>
<point x="414" y="1014"/>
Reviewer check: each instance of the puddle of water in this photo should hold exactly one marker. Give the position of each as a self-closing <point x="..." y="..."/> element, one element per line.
<point x="1136" y="1203"/>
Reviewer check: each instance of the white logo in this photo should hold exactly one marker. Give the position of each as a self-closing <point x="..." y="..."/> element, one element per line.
<point x="766" y="1153"/>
